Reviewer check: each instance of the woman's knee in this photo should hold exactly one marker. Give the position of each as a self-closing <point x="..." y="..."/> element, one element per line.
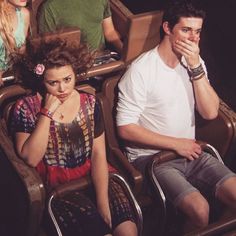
<point x="127" y="228"/>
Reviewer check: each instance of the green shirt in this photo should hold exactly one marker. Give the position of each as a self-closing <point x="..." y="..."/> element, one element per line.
<point x="85" y="14"/>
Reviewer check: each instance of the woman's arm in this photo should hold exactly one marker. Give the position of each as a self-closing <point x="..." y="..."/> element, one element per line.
<point x="100" y="177"/>
<point x="32" y="147"/>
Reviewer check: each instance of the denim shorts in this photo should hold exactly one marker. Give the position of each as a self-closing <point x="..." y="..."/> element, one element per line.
<point x="180" y="177"/>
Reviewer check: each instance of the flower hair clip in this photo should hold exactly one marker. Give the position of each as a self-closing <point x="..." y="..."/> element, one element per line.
<point x="39" y="69"/>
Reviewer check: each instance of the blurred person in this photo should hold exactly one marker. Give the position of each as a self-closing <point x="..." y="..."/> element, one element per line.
<point x="93" y="17"/>
<point x="14" y="26"/>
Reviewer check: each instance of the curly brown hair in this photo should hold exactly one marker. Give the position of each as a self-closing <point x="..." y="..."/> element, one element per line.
<point x="51" y="54"/>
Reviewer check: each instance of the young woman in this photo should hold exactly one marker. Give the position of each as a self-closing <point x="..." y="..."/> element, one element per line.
<point x="59" y="131"/>
<point x="14" y="26"/>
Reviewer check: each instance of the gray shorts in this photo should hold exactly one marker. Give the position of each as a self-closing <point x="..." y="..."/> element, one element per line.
<point x="179" y="177"/>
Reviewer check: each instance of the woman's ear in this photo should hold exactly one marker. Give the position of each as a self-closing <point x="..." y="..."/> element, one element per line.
<point x="166" y="28"/>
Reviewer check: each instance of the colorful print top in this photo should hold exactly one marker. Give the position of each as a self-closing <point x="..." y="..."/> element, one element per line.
<point x="70" y="144"/>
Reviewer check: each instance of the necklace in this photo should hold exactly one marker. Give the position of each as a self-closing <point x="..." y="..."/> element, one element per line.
<point x="61" y="117"/>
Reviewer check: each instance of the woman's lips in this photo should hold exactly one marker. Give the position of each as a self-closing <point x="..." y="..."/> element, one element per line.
<point x="61" y="96"/>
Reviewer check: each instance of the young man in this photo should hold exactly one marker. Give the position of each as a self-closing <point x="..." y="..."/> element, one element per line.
<point x="157" y="98"/>
<point x="93" y="17"/>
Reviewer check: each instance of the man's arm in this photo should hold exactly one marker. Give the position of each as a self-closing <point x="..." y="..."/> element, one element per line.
<point x="207" y="101"/>
<point x="143" y="137"/>
<point x="111" y="35"/>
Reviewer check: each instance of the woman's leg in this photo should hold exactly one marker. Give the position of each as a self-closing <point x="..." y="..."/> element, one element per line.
<point x="123" y="217"/>
<point x="127" y="228"/>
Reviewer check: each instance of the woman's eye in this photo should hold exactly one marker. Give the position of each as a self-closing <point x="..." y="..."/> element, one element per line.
<point x="52" y="83"/>
<point x="68" y="79"/>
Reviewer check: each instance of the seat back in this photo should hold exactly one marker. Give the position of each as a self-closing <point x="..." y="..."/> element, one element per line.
<point x="71" y="35"/>
<point x="143" y="34"/>
<point x="220" y="133"/>
<point x="140" y="32"/>
<point x="24" y="182"/>
<point x="108" y="99"/>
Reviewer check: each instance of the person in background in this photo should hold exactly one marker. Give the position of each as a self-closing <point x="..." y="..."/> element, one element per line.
<point x="14" y="26"/>
<point x="59" y="131"/>
<point x="157" y="99"/>
<point x="93" y="17"/>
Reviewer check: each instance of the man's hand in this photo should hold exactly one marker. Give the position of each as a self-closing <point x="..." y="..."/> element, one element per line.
<point x="190" y="50"/>
<point x="188" y="148"/>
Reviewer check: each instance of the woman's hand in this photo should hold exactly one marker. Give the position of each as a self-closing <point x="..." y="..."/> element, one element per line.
<point x="104" y="210"/>
<point x="51" y="102"/>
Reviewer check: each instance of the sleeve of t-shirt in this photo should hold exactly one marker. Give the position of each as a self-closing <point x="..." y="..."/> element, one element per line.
<point x="107" y="10"/>
<point x="98" y="120"/>
<point x="22" y="119"/>
<point x="131" y="97"/>
<point x="46" y="20"/>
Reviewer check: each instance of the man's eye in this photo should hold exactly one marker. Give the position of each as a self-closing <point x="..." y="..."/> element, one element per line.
<point x="185" y="30"/>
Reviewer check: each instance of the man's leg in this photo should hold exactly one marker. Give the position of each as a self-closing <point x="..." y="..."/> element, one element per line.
<point x="196" y="209"/>
<point x="171" y="177"/>
<point x="226" y="192"/>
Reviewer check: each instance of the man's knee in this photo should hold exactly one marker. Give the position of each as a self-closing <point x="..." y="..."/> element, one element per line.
<point x="226" y="192"/>
<point x="196" y="207"/>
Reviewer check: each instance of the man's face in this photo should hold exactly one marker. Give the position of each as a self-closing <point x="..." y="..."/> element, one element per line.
<point x="188" y="28"/>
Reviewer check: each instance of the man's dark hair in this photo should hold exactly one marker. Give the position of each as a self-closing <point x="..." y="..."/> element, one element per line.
<point x="175" y="9"/>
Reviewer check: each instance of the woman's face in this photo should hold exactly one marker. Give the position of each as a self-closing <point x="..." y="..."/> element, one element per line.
<point x="60" y="82"/>
<point x="18" y="3"/>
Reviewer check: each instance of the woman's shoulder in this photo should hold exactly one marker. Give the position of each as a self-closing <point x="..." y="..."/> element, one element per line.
<point x="31" y="100"/>
<point x="87" y="98"/>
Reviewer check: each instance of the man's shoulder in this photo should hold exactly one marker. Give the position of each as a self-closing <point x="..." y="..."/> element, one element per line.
<point x="145" y="58"/>
<point x="50" y="4"/>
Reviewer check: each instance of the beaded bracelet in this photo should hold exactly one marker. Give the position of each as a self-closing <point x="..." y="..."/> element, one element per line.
<point x="194" y="78"/>
<point x="195" y="72"/>
<point x="45" y="112"/>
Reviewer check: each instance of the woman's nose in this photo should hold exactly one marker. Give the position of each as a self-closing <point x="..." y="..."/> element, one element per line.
<point x="61" y="87"/>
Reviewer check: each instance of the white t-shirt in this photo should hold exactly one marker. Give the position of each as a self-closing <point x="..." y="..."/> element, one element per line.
<point x="156" y="97"/>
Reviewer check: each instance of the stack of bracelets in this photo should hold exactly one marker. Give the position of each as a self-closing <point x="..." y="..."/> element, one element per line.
<point x="197" y="73"/>
<point x="45" y="112"/>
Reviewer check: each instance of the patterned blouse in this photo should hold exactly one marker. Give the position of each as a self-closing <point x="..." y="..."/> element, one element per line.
<point x="70" y="144"/>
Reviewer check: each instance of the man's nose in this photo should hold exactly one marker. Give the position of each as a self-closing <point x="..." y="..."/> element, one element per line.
<point x="194" y="37"/>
